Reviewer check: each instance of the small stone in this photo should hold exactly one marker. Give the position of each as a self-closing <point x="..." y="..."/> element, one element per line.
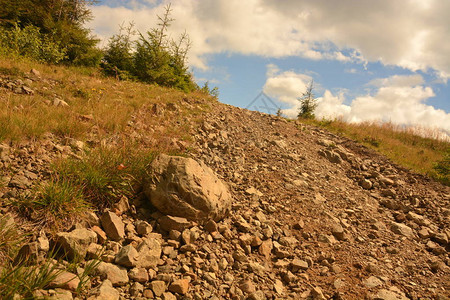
<point x="65" y="280"/>
<point x="76" y="242"/>
<point x="317" y="294"/>
<point x="106" y="292"/>
<point x="143" y="227"/>
<point x="211" y="226"/>
<point x="180" y="286"/>
<point x="366" y="184"/>
<point x="139" y="275"/>
<point x="372" y="282"/>
<point x="402" y="229"/>
<point x="168" y="296"/>
<point x="169" y="223"/>
<point x="247" y="286"/>
<point x="113" y="226"/>
<point x="117" y="275"/>
<point x="299" y="225"/>
<point x="338" y="232"/>
<point x="101" y="235"/>
<point x="158" y="287"/>
<point x="266" y="248"/>
<point x="297" y="265"/>
<point x="136" y="289"/>
<point x="127" y="256"/>
<point x="278" y="287"/>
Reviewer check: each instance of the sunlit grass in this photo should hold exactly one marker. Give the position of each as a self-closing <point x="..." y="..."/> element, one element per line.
<point x="402" y="145"/>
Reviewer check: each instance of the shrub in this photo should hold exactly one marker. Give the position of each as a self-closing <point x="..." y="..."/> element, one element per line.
<point x="30" y="42"/>
<point x="308" y="103"/>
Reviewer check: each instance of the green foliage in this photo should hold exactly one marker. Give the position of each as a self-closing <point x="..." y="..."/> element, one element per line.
<point x="30" y="42"/>
<point x="10" y="239"/>
<point x="106" y="174"/>
<point x="210" y="91"/>
<point x="153" y="58"/>
<point x="308" y="103"/>
<point x="118" y="56"/>
<point x="21" y="280"/>
<point x="442" y="168"/>
<point x="60" y="25"/>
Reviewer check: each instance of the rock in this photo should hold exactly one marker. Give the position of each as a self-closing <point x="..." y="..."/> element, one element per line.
<point x="317" y="294"/>
<point x="136" y="289"/>
<point x="149" y="252"/>
<point x="139" y="275"/>
<point x="20" y="182"/>
<point x="35" y="72"/>
<point x="105" y="292"/>
<point x="65" y="280"/>
<point x="60" y="294"/>
<point x="266" y="248"/>
<point x="169" y="223"/>
<point x="258" y="295"/>
<point x="76" y="242"/>
<point x="117" y="275"/>
<point x="180" y="286"/>
<point x="168" y="296"/>
<point x="143" y="227"/>
<point x="122" y="206"/>
<point x="101" y="235"/>
<point x="211" y="226"/>
<point x="338" y="232"/>
<point x="278" y="287"/>
<point x="366" y="184"/>
<point x="60" y="103"/>
<point x="113" y="226"/>
<point x="247" y="286"/>
<point x="127" y="257"/>
<point x="185" y="188"/>
<point x="402" y="229"/>
<point x="372" y="282"/>
<point x="299" y="265"/>
<point x="392" y="294"/>
<point x="158" y="287"/>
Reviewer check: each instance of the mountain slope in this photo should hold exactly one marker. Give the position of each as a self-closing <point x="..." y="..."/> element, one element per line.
<point x="314" y="215"/>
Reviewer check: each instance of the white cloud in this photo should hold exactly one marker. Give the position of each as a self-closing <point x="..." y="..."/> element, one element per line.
<point x="286" y="87"/>
<point x="398" y="99"/>
<point x="413" y="34"/>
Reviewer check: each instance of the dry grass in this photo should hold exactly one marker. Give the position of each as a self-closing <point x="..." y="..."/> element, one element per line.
<point x="402" y="146"/>
<point x="111" y="103"/>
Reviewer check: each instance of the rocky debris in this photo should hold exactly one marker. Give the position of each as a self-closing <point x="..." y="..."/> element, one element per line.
<point x="183" y="187"/>
<point x="313" y="216"/>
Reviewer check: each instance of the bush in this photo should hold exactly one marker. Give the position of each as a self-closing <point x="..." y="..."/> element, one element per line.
<point x="30" y="42"/>
<point x="153" y="58"/>
<point x="307" y="103"/>
<point x="442" y="169"/>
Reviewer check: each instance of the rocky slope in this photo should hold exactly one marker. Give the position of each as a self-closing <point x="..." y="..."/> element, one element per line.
<point x="313" y="216"/>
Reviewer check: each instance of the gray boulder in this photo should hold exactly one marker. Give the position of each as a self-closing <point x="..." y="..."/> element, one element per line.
<point x="182" y="187"/>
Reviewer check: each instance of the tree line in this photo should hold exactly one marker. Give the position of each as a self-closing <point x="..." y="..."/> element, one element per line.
<point x="52" y="31"/>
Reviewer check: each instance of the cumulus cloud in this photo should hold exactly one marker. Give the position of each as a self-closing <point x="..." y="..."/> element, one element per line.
<point x="413" y="34"/>
<point x="398" y="99"/>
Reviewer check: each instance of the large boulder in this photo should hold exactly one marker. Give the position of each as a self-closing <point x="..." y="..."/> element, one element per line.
<point x="182" y="187"/>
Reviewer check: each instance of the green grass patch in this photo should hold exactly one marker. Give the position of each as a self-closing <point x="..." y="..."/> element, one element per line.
<point x="105" y="174"/>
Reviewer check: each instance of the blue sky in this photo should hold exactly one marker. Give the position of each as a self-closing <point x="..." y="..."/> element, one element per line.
<point x="369" y="60"/>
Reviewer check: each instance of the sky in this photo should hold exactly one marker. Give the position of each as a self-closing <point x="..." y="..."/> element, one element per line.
<point x="368" y="60"/>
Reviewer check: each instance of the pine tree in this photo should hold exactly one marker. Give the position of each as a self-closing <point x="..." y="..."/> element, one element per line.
<point x="308" y="103"/>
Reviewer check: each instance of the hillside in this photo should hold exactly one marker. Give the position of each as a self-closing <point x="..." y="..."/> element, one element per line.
<point x="313" y="215"/>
